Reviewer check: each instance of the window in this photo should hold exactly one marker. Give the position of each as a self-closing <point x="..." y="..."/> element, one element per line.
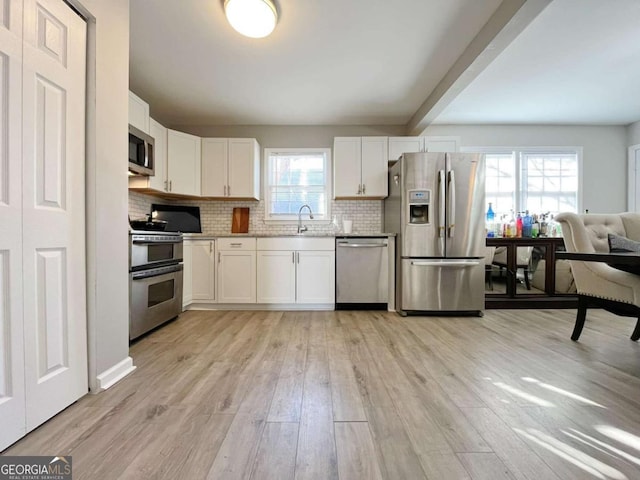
<point x="295" y="177"/>
<point x="540" y="180"/>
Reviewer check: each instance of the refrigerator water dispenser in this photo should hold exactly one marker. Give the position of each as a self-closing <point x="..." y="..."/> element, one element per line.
<point x="419" y="203"/>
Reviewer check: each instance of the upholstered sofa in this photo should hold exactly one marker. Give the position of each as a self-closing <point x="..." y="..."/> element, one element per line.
<point x="596" y="282"/>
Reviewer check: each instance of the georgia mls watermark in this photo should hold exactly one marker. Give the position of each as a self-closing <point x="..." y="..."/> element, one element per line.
<point x="35" y="468"/>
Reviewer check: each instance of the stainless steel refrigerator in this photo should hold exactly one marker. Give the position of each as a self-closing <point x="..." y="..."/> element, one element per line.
<point x="436" y="207"/>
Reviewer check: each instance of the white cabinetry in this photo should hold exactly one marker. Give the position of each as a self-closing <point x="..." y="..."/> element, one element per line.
<point x="231" y="168"/>
<point x="157" y="182"/>
<point x="296" y="270"/>
<point x="201" y="271"/>
<point x="360" y="167"/>
<point x="138" y="113"/>
<point x="183" y="163"/>
<point x="236" y="270"/>
<point x="400" y="145"/>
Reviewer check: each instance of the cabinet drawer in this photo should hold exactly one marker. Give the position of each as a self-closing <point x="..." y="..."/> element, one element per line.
<point x="237" y="243"/>
<point x="296" y="243"/>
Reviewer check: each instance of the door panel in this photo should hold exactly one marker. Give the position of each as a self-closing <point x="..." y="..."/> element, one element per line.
<point x="374" y="167"/>
<point x="203" y="271"/>
<point x="442" y="285"/>
<point x="347" y="175"/>
<point x="214" y="167"/>
<point x="315" y="277"/>
<point x="53" y="97"/>
<point x="276" y="277"/>
<point x="420" y="173"/>
<point x="465" y="232"/>
<point x="12" y="390"/>
<point x="241" y="167"/>
<point x="237" y="277"/>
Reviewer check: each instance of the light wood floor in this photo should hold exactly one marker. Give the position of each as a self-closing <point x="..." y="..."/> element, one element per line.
<point x="363" y="395"/>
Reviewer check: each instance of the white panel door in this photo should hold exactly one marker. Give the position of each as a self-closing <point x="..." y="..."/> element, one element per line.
<point x="242" y="168"/>
<point x="183" y="160"/>
<point x="316" y="277"/>
<point x="374" y="167"/>
<point x="276" y="277"/>
<point x="214" y="167"/>
<point x="12" y="393"/>
<point x="400" y="145"/>
<point x="203" y="271"/>
<point x="237" y="277"/>
<point x="53" y="208"/>
<point x="347" y="153"/>
<point x="159" y="134"/>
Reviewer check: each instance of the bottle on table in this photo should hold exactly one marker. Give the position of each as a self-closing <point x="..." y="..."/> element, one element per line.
<point x="490" y="221"/>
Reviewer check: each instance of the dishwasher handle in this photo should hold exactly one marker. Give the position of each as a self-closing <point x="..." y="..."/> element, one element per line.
<point x="361" y="245"/>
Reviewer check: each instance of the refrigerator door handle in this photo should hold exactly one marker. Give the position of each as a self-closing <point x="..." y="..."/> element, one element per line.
<point x="441" y="210"/>
<point x="452" y="202"/>
<point x="450" y="263"/>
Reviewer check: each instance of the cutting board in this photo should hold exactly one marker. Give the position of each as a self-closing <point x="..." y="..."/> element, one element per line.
<point x="240" y="220"/>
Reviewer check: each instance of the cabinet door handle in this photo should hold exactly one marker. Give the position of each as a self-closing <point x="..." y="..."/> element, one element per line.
<point x="228" y="190"/>
<point x="236" y="244"/>
<point x="166" y="186"/>
<point x="298" y="254"/>
<point x="170" y="186"/>
<point x="293" y="257"/>
<point x="364" y="188"/>
<point x="218" y="257"/>
<point x="359" y="189"/>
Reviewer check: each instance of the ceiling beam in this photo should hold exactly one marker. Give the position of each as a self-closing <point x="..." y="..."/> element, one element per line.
<point x="506" y="23"/>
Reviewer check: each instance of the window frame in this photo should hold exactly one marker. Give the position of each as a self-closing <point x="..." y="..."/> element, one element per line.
<point x="293" y="219"/>
<point x="518" y="152"/>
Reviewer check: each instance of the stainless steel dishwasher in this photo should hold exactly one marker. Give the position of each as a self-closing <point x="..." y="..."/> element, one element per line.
<point x="362" y="273"/>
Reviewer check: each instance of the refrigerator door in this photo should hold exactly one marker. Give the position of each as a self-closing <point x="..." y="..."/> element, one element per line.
<point x="442" y="285"/>
<point x="423" y="177"/>
<point x="465" y="232"/>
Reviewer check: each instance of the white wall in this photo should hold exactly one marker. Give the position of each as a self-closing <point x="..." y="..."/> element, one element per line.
<point x="633" y="134"/>
<point x="604" y="174"/>
<point x="107" y="184"/>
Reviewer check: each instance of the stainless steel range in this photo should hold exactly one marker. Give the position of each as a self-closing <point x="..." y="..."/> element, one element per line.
<point x="155" y="279"/>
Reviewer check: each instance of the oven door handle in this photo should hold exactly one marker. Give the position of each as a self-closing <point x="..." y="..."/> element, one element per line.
<point x="155" y="272"/>
<point x="147" y="241"/>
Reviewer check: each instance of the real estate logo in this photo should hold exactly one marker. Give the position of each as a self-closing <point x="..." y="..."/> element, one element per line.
<point x="35" y="468"/>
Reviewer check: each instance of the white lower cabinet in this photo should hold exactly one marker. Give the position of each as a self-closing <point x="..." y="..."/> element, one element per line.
<point x="296" y="270"/>
<point x="203" y="271"/>
<point x="315" y="277"/>
<point x="187" y="277"/>
<point x="236" y="270"/>
<point x="276" y="277"/>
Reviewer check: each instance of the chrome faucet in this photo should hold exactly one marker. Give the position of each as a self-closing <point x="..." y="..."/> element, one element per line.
<point x="303" y="228"/>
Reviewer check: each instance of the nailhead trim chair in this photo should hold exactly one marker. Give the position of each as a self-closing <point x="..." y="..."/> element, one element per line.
<point x="598" y="283"/>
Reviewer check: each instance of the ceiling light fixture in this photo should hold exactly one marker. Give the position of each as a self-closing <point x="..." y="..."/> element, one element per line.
<point x="252" y="18"/>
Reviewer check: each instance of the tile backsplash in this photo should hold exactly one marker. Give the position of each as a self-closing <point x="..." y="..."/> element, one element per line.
<point x="216" y="215"/>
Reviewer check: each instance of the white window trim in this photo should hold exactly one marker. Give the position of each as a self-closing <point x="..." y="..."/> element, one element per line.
<point x="518" y="150"/>
<point x="265" y="183"/>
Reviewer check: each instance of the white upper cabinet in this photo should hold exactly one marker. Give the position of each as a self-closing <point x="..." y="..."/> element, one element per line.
<point x="138" y="113"/>
<point x="159" y="134"/>
<point x="183" y="163"/>
<point x="400" y="145"/>
<point x="360" y="167"/>
<point x="231" y="168"/>
<point x="441" y="144"/>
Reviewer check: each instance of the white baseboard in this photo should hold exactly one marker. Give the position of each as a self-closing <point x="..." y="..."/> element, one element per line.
<point x="262" y="306"/>
<point x="110" y="377"/>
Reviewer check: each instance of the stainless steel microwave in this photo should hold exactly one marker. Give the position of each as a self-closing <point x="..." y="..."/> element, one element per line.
<point x="141" y="152"/>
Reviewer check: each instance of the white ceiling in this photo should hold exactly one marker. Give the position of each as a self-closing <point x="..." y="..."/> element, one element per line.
<point x="578" y="62"/>
<point x="349" y="62"/>
<point x="374" y="62"/>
